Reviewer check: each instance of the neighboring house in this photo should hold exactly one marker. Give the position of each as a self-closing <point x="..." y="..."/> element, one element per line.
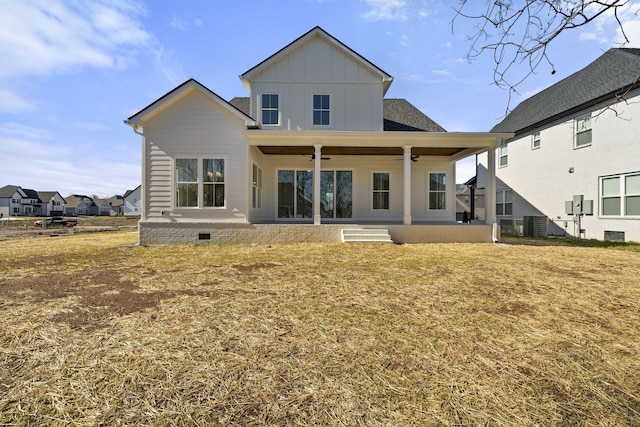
<point x="11" y="200"/>
<point x="470" y="200"/>
<point x="104" y="207"/>
<point x="31" y="203"/>
<point x="79" y="204"/>
<point x="117" y="205"/>
<point x="52" y="203"/>
<point x="132" y="202"/>
<point x="313" y="151"/>
<point x="574" y="160"/>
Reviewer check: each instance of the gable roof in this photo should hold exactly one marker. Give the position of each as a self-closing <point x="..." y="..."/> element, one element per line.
<point x="398" y="115"/>
<point x="613" y="73"/>
<point x="176" y="94"/>
<point x="318" y="32"/>
<point x="9" y="190"/>
<point x="31" y="194"/>
<point x="46" y="196"/>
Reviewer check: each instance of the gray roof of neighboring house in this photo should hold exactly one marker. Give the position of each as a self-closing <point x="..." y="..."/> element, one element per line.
<point x="398" y="114"/>
<point x="46" y="196"/>
<point x="31" y="194"/>
<point x="8" y="191"/>
<point x="613" y="73"/>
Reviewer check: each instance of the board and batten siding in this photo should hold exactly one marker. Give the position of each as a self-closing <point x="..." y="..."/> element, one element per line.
<point x="319" y="68"/>
<point x="195" y="126"/>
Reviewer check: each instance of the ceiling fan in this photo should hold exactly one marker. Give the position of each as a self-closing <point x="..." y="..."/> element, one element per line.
<point x="414" y="157"/>
<point x="313" y="157"/>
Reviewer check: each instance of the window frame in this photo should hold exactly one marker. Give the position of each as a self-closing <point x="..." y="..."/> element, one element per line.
<point x="270" y="108"/>
<point x="577" y="130"/>
<point x="436" y="191"/>
<point x="503" y="153"/>
<point x="256" y="187"/>
<point x="387" y="191"/>
<point x="623" y="194"/>
<point x="502" y="202"/>
<point x="535" y="141"/>
<point x="200" y="182"/>
<point x="321" y="110"/>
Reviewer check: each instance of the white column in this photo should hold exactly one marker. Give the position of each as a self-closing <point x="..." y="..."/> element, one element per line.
<point x="406" y="218"/>
<point x="316" y="184"/>
<point x="490" y="187"/>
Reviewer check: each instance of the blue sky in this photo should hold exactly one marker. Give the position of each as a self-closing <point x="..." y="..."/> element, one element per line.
<point x="72" y="71"/>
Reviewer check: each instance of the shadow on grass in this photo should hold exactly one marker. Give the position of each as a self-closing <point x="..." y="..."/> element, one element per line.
<point x="569" y="241"/>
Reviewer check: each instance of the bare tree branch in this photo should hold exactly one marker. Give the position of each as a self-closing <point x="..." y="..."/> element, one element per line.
<point x="519" y="32"/>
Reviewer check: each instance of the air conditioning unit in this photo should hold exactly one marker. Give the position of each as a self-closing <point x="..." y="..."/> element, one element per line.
<point x="534" y="226"/>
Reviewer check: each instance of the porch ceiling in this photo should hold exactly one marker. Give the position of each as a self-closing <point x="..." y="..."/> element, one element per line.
<point x="358" y="151"/>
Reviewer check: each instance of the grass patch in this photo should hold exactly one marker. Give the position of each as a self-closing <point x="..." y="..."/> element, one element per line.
<point x="96" y="331"/>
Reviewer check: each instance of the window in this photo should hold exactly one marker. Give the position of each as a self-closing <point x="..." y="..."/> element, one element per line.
<point x="535" y="141"/>
<point x="380" y="190"/>
<point x="503" y="155"/>
<point x="321" y="110"/>
<point x="213" y="182"/>
<point x="583" y="130"/>
<point x="270" y="112"/>
<point x="208" y="191"/>
<point x="257" y="187"/>
<point x="620" y="195"/>
<point x="504" y="202"/>
<point x="437" y="191"/>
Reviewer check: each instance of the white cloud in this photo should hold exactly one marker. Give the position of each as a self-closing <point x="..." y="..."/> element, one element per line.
<point x="386" y="10"/>
<point x="13" y="103"/>
<point x="606" y="29"/>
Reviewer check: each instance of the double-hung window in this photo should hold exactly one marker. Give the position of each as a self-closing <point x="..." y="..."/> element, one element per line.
<point x="270" y="109"/>
<point x="380" y="190"/>
<point x="321" y="110"/>
<point x="535" y="141"/>
<point x="583" y="130"/>
<point x="503" y="155"/>
<point x="504" y="202"/>
<point x="620" y="195"/>
<point x="199" y="182"/>
<point x="437" y="191"/>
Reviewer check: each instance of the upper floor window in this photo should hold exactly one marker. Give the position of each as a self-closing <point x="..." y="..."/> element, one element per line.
<point x="380" y="190"/>
<point x="504" y="202"/>
<point x="620" y="195"/>
<point x="535" y="141"/>
<point x="200" y="184"/>
<point x="270" y="109"/>
<point x="321" y="110"/>
<point x="583" y="130"/>
<point x="503" y="155"/>
<point x="437" y="191"/>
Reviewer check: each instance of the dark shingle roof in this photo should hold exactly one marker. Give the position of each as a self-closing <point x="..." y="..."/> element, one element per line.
<point x="8" y="191"/>
<point x="611" y="74"/>
<point x="399" y="115"/>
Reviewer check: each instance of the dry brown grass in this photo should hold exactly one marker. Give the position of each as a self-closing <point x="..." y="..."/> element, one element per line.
<point x="95" y="331"/>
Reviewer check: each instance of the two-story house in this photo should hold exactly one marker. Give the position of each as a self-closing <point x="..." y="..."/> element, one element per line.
<point x="314" y="153"/>
<point x="11" y="200"/>
<point x="52" y="203"/>
<point x="574" y="160"/>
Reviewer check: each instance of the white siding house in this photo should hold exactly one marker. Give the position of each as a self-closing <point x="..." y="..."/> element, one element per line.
<point x="576" y="139"/>
<point x="132" y="202"/>
<point x="11" y="200"/>
<point x="313" y="150"/>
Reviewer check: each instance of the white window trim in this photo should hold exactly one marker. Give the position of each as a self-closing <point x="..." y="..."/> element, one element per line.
<point x="622" y="195"/>
<point x="446" y="191"/>
<point x="504" y="203"/>
<point x="330" y="125"/>
<point x="260" y="109"/>
<point x="500" y="156"/>
<point x="575" y="131"/>
<point x="371" y="208"/>
<point x="256" y="186"/>
<point x="533" y="140"/>
<point x="199" y="159"/>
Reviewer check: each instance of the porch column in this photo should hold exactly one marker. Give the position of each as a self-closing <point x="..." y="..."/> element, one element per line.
<point x="316" y="183"/>
<point x="490" y="187"/>
<point x="406" y="218"/>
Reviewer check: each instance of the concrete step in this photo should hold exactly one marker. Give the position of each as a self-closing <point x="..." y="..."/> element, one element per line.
<point x="366" y="235"/>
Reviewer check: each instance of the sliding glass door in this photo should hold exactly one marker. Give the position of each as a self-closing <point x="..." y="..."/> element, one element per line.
<point x="295" y="194"/>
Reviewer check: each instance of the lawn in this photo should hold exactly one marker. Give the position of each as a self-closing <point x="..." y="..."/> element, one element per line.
<point x="96" y="330"/>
